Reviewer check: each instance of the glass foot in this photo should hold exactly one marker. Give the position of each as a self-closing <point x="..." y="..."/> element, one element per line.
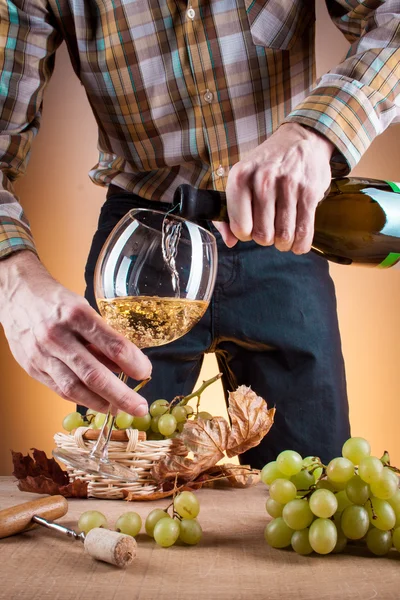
<point x="103" y="468"/>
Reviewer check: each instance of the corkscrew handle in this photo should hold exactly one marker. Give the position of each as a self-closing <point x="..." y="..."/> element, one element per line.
<point x="19" y="518"/>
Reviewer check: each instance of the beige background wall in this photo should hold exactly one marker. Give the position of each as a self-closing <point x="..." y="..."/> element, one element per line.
<point x="63" y="206"/>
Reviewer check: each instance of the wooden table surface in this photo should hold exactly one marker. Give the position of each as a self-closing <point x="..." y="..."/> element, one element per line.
<point x="231" y="562"/>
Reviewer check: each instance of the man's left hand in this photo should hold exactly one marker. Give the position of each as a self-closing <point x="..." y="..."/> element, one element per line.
<point x="272" y="194"/>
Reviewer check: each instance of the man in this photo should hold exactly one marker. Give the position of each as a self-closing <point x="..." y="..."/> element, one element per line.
<point x="218" y="94"/>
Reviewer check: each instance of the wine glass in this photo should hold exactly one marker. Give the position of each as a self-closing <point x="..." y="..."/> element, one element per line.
<point x="153" y="282"/>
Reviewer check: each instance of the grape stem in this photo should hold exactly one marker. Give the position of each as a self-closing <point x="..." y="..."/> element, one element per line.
<point x="196" y="394"/>
<point x="385" y="459"/>
<point x="374" y="516"/>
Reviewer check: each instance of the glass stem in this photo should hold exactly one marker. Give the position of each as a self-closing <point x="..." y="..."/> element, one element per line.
<point x="100" y="449"/>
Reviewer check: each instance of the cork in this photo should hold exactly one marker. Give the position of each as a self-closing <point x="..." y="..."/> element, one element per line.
<point x="111" y="547"/>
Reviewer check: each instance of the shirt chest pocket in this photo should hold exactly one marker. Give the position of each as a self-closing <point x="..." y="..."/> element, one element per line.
<point x="278" y="24"/>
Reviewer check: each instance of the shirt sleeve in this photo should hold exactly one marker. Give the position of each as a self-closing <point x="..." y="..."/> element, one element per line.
<point x="27" y="46"/>
<point x="357" y="100"/>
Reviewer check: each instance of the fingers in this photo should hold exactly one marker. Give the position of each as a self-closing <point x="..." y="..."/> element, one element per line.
<point x="226" y="233"/>
<point x="99" y="381"/>
<point x="103" y="359"/>
<point x="305" y="218"/>
<point x="67" y="385"/>
<point x="264" y="201"/>
<point x="114" y="346"/>
<point x="239" y="201"/>
<point x="272" y="193"/>
<point x="285" y="218"/>
<point x="282" y="212"/>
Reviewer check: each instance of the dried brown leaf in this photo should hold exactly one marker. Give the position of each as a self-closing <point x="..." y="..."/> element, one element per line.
<point x="250" y="420"/>
<point x="239" y="476"/>
<point x="42" y="475"/>
<point x="25" y="466"/>
<point x="205" y="439"/>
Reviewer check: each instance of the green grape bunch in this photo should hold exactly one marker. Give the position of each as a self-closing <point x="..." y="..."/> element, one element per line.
<point x="165" y="420"/>
<point x="322" y="508"/>
<point x="166" y="529"/>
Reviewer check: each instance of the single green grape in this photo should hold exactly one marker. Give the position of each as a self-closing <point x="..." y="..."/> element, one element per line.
<point x="159" y="407"/>
<point x="297" y="514"/>
<point x="72" y="421"/>
<point x="310" y="461"/>
<point x="301" y="543"/>
<point x="129" y="523"/>
<point x="274" y="508"/>
<point x="340" y="470"/>
<point x="337" y="486"/>
<point x="342" y="500"/>
<point x="396" y="538"/>
<point x="166" y="532"/>
<point x="282" y="491"/>
<point x="123" y="420"/>
<point x="386" y="486"/>
<point x="322" y="536"/>
<point x="289" y="462"/>
<point x="187" y="505"/>
<point x="355" y="449"/>
<point x="189" y="409"/>
<point x="317" y="473"/>
<point x="91" y="411"/>
<point x="180" y="414"/>
<point x="325" y="484"/>
<point x="166" y="424"/>
<point x="303" y="480"/>
<point x="90" y="415"/>
<point x="270" y="472"/>
<point x="90" y="519"/>
<point x="370" y="469"/>
<point x="379" y="542"/>
<point x="205" y="415"/>
<point x="341" y="543"/>
<point x="152" y="519"/>
<point x="278" y="534"/>
<point x="381" y="514"/>
<point x="357" y="490"/>
<point x="180" y="427"/>
<point x="142" y="423"/>
<point x="323" y="503"/>
<point x="99" y="420"/>
<point x="154" y="424"/>
<point x="394" y="502"/>
<point x="190" y="532"/>
<point x="354" y="522"/>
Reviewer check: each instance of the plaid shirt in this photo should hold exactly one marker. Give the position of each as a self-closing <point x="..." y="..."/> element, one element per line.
<point x="183" y="89"/>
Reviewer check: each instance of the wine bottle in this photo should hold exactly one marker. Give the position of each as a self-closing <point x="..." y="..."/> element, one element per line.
<point x="357" y="222"/>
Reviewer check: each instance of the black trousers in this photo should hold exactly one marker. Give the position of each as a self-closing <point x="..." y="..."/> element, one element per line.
<point x="272" y="324"/>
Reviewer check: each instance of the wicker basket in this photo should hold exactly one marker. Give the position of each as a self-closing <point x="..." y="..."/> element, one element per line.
<point x="133" y="451"/>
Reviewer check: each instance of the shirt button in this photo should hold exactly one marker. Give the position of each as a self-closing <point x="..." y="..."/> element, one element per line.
<point x="220" y="171"/>
<point x="190" y="13"/>
<point x="208" y="96"/>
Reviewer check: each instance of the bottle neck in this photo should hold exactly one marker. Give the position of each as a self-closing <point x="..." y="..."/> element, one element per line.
<point x="200" y="205"/>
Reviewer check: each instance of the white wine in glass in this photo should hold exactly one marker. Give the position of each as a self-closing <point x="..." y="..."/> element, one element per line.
<point x="153" y="282"/>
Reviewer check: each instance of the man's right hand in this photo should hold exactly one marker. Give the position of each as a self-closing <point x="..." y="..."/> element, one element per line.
<point x="62" y="342"/>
